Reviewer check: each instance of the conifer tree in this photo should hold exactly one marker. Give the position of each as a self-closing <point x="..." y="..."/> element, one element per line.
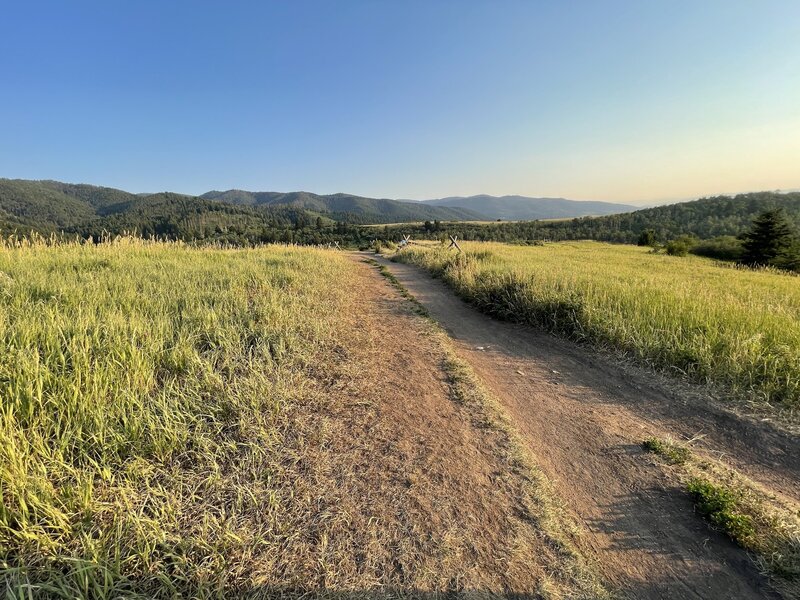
<point x="770" y="241"/>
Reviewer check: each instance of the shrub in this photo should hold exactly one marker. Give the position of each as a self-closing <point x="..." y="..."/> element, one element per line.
<point x="681" y="246"/>
<point x="647" y="238"/>
<point x="725" y="247"/>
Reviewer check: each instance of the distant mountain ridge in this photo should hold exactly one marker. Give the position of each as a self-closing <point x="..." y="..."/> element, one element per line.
<point x="53" y="206"/>
<point x="366" y="210"/>
<point x="49" y="207"/>
<point x="524" y="208"/>
<point x="455" y="208"/>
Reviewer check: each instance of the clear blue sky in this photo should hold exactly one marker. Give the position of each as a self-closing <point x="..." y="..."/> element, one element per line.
<point x="630" y="101"/>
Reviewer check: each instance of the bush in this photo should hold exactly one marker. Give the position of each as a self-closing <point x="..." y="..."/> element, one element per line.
<point x="681" y="246"/>
<point x="725" y="247"/>
<point x="647" y="238"/>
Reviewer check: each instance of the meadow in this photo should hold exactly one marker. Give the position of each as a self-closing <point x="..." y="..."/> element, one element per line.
<point x="145" y="388"/>
<point x="732" y="327"/>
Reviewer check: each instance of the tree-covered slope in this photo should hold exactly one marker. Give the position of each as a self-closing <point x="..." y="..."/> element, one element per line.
<point x="49" y="207"/>
<point x="185" y="217"/>
<point x="357" y="208"/>
<point x="245" y="217"/>
<point x="704" y="218"/>
<point x="41" y="205"/>
<point x="52" y="206"/>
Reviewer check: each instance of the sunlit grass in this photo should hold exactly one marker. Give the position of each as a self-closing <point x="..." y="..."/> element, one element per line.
<point x="144" y="398"/>
<point x="716" y="323"/>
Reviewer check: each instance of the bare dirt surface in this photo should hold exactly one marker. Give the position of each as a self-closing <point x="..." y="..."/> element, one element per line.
<point x="399" y="485"/>
<point x="584" y="417"/>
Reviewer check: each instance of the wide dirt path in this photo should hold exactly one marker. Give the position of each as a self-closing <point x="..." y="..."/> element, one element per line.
<point x="584" y="417"/>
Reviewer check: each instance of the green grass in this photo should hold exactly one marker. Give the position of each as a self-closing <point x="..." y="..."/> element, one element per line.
<point x="146" y="397"/>
<point x="673" y="453"/>
<point x="718" y="504"/>
<point x="714" y="323"/>
<point x="764" y="523"/>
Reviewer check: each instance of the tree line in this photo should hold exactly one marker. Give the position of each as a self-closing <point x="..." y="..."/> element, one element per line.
<point x="713" y="227"/>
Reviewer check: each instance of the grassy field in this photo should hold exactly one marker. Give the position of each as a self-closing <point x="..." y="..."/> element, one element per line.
<point x="715" y="323"/>
<point x="212" y="423"/>
<point x="144" y="391"/>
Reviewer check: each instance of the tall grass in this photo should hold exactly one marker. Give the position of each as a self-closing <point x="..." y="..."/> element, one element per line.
<point x="144" y="394"/>
<point x="735" y="327"/>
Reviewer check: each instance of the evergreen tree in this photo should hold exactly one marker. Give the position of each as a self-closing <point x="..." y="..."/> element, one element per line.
<point x="770" y="241"/>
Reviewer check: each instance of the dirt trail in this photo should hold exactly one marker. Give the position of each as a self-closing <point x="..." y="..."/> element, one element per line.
<point x="411" y="490"/>
<point x="584" y="417"/>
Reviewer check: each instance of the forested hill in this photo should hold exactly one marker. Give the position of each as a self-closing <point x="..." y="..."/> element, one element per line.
<point x="349" y="208"/>
<point x="704" y="218"/>
<point x="245" y="218"/>
<point x="51" y="205"/>
<point x="47" y="207"/>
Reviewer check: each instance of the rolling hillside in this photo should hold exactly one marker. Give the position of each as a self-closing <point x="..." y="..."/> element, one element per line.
<point x="52" y="206"/>
<point x="240" y="217"/>
<point x="704" y="218"/>
<point x="47" y="207"/>
<point x="348" y="207"/>
<point x="522" y="208"/>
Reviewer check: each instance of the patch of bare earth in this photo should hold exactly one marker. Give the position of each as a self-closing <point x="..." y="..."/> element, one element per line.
<point x="395" y="487"/>
<point x="584" y="418"/>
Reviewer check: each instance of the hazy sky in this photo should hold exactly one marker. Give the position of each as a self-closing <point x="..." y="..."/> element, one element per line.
<point x="629" y="101"/>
